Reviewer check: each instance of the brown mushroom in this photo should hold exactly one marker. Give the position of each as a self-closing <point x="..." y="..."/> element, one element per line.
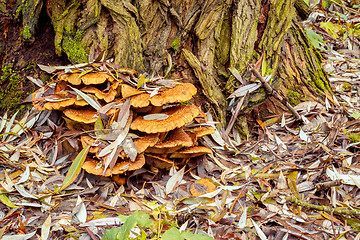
<point x="59" y="105"/>
<point x="145" y="142"/>
<point x="158" y="161"/>
<point x="191" y="152"/>
<point x="107" y="96"/>
<point x="180" y="93"/>
<point x="95" y="167"/>
<point x="87" y="79"/>
<point x="198" y="132"/>
<point x="85" y="115"/>
<point x="177" y="116"/>
<point x="87" y="140"/>
<point x="175" y="140"/>
<point x="139" y="99"/>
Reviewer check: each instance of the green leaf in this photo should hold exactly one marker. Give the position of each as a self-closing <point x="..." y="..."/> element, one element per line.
<point x="5" y="200"/>
<point x="136" y="218"/>
<point x="99" y="127"/>
<point x="315" y="38"/>
<point x="83" y="73"/>
<point x="142" y="80"/>
<point x="75" y="167"/>
<point x="111" y="234"/>
<point x="332" y="29"/>
<point x="172" y="234"/>
<point x="355" y="115"/>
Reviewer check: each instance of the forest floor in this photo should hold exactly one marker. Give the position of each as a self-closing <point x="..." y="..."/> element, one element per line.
<point x="290" y="180"/>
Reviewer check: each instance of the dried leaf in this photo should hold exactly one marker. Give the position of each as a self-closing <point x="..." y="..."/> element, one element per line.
<point x="236" y="74"/>
<point x="174" y="181"/>
<point x="130" y="148"/>
<point x="48" y="69"/>
<point x="23" y="192"/>
<point x="88" y="99"/>
<point x="81" y="214"/>
<point x="25" y="175"/>
<point x="19" y="236"/>
<point x="240" y="92"/>
<point x="3" y="122"/>
<point x="260" y="233"/>
<point x="45" y="228"/>
<point x="202" y="186"/>
<point x="242" y="221"/>
<point x="75" y="167"/>
<point x="156" y="116"/>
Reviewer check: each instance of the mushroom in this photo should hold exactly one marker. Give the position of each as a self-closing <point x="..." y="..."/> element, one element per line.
<point x="175" y="140"/>
<point x="139" y="99"/>
<point x="107" y="96"/>
<point x="159" y="161"/>
<point x="87" y="79"/>
<point x="85" y="115"/>
<point x="180" y="93"/>
<point x="177" y="116"/>
<point x="145" y="142"/>
<point x="199" y="132"/>
<point x="59" y="105"/>
<point x="95" y="167"/>
<point x="191" y="152"/>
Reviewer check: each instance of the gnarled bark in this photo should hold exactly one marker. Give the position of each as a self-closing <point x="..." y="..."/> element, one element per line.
<point x="204" y="40"/>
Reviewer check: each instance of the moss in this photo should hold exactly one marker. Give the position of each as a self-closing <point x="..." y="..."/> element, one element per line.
<point x="25" y="32"/>
<point x="294" y="97"/>
<point x="73" y="48"/>
<point x="18" y="11"/>
<point x="10" y="97"/>
<point x="354" y="137"/>
<point x="175" y="44"/>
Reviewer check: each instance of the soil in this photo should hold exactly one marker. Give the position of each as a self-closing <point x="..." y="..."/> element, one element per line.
<point x="23" y="56"/>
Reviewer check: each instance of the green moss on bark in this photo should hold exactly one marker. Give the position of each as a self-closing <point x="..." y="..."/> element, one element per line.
<point x="11" y="95"/>
<point x="73" y="48"/>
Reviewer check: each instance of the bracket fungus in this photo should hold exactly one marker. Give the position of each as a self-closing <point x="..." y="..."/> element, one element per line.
<point x="92" y="78"/>
<point x="178" y="116"/>
<point x="125" y="134"/>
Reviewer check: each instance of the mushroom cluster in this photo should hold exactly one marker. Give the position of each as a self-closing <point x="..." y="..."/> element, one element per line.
<point x="129" y="120"/>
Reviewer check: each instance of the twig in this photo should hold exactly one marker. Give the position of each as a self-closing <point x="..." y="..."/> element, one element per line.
<point x="332" y="214"/>
<point x="273" y="92"/>
<point x="326" y="185"/>
<point x="339" y="211"/>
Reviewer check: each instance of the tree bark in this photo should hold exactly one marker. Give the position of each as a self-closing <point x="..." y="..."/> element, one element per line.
<point x="202" y="39"/>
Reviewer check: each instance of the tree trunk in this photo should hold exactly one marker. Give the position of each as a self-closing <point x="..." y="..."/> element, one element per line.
<point x="199" y="39"/>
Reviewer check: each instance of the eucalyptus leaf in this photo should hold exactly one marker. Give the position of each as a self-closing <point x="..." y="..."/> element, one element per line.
<point x="88" y="99"/>
<point x="75" y="167"/>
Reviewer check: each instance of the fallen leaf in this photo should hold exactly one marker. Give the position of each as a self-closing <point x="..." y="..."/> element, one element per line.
<point x="75" y="167"/>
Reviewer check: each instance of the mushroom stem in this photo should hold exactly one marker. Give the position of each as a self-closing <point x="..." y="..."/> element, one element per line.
<point x="156" y="109"/>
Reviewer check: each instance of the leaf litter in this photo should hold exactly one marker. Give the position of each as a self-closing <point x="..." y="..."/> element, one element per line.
<point x="292" y="180"/>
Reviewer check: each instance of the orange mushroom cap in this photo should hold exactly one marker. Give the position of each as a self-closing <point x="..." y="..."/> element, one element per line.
<point x="139" y="99"/>
<point x="191" y="152"/>
<point x="175" y="140"/>
<point x="178" y="116"/>
<point x="87" y="79"/>
<point x="107" y="96"/>
<point x="159" y="161"/>
<point x="95" y="167"/>
<point x="180" y="93"/>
